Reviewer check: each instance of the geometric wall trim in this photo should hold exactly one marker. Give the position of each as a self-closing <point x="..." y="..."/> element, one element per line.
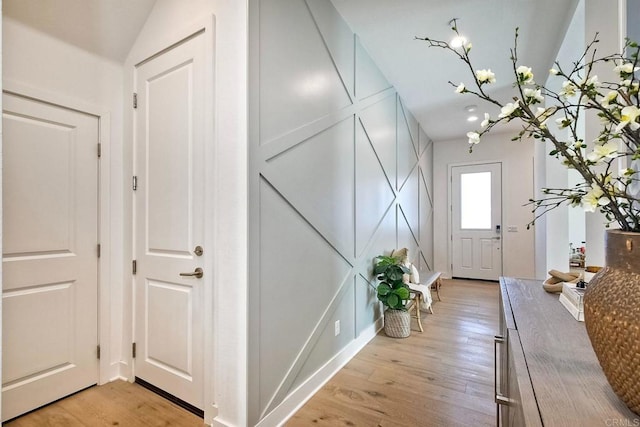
<point x="407" y="157"/>
<point x="339" y="173"/>
<point x="414" y="126"/>
<point x="369" y="79"/>
<point x="379" y="122"/>
<point x="423" y="141"/>
<point x="338" y="38"/>
<point x="368" y="309"/>
<point x="315" y="171"/>
<point x="303" y="82"/>
<point x="384" y="241"/>
<point x="287" y="241"/>
<point x="406" y="238"/>
<point x="426" y="220"/>
<point x="374" y="193"/>
<point x="409" y="202"/>
<point x="324" y="337"/>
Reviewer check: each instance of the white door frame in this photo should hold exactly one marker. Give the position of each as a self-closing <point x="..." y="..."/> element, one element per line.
<point x="139" y="54"/>
<point x="107" y="371"/>
<point x="450" y="167"/>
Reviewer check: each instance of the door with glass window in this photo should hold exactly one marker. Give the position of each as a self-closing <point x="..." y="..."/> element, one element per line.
<point x="476" y="218"/>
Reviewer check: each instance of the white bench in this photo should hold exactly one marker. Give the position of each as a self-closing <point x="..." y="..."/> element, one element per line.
<point x="422" y="295"/>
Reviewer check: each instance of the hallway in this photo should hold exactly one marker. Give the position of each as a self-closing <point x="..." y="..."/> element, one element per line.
<point x="442" y="377"/>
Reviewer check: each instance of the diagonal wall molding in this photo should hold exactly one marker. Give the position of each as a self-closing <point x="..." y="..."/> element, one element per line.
<point x="338" y="174"/>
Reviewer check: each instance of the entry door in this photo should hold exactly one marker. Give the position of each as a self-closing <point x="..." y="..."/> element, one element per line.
<point x="50" y="264"/>
<point x="477" y="221"/>
<point x="169" y="167"/>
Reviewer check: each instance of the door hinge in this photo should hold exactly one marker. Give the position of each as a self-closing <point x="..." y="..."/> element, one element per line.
<point x="135" y="100"/>
<point x="134" y="266"/>
<point x="133" y="350"/>
<point x="99" y="250"/>
<point x="98" y="352"/>
<point x="135" y="183"/>
<point x="99" y="150"/>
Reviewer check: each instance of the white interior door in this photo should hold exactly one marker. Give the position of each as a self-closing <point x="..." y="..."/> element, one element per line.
<point x="476" y="221"/>
<point x="50" y="264"/>
<point x="169" y="202"/>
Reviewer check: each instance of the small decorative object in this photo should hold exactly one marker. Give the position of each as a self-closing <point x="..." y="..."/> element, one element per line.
<point x="554" y="283"/>
<point x="612" y="300"/>
<point x="393" y="293"/>
<point x="572" y="298"/>
<point x="612" y="315"/>
<point x="590" y="271"/>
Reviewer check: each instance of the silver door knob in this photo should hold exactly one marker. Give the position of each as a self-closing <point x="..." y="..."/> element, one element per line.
<point x="198" y="273"/>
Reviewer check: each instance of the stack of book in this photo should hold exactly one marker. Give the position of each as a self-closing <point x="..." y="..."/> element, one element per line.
<point x="572" y="299"/>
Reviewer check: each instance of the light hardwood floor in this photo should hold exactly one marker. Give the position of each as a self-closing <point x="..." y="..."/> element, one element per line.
<point x="441" y="377"/>
<point x="118" y="403"/>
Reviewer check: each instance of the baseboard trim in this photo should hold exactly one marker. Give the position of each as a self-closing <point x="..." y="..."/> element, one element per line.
<point x="294" y="401"/>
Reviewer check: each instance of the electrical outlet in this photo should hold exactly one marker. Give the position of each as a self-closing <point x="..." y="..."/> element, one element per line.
<point x="512" y="229"/>
<point x="337" y="328"/>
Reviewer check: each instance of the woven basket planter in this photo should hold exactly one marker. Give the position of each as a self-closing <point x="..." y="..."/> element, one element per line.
<point x="612" y="315"/>
<point x="397" y="323"/>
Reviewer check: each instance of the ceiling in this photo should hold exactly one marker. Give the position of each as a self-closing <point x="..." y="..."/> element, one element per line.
<point x="107" y="28"/>
<point x="388" y="28"/>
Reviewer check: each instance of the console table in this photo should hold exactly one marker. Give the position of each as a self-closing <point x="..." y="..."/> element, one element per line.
<point x="546" y="370"/>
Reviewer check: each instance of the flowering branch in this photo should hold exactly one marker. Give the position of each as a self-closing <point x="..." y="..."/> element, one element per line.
<point x="616" y="104"/>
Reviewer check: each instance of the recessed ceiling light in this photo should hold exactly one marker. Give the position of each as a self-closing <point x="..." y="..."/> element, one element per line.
<point x="458" y="41"/>
<point x="472" y="118"/>
<point x="471" y="108"/>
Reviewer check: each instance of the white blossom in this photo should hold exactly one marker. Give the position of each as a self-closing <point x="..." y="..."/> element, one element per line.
<point x="563" y="122"/>
<point x="485" y="76"/>
<point x="591" y="81"/>
<point x="628" y="116"/>
<point x="568" y="89"/>
<point x="533" y="95"/>
<point x="508" y="109"/>
<point x="474" y="137"/>
<point x="485" y="122"/>
<point x="460" y="88"/>
<point x="608" y="98"/>
<point x="593" y="199"/>
<point x="525" y="76"/>
<point x="625" y="68"/>
<point x="608" y="150"/>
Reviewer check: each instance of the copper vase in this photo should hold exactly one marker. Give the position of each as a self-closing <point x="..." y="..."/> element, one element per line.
<point x="612" y="315"/>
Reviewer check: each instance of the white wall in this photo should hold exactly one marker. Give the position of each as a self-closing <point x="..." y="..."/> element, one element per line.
<point x="603" y="17"/>
<point x="517" y="189"/>
<point x="46" y="68"/>
<point x="168" y="22"/>
<point x="552" y="232"/>
<point x="1" y="215"/>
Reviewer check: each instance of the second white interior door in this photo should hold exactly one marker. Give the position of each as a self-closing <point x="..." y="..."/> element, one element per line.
<point x="169" y="218"/>
<point x="476" y="218"/>
<point x="50" y="259"/>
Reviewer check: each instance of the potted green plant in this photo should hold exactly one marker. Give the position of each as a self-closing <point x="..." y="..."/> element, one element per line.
<point x="393" y="293"/>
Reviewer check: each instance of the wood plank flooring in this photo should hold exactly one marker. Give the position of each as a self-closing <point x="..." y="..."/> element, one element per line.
<point x="118" y="403"/>
<point x="441" y="377"/>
